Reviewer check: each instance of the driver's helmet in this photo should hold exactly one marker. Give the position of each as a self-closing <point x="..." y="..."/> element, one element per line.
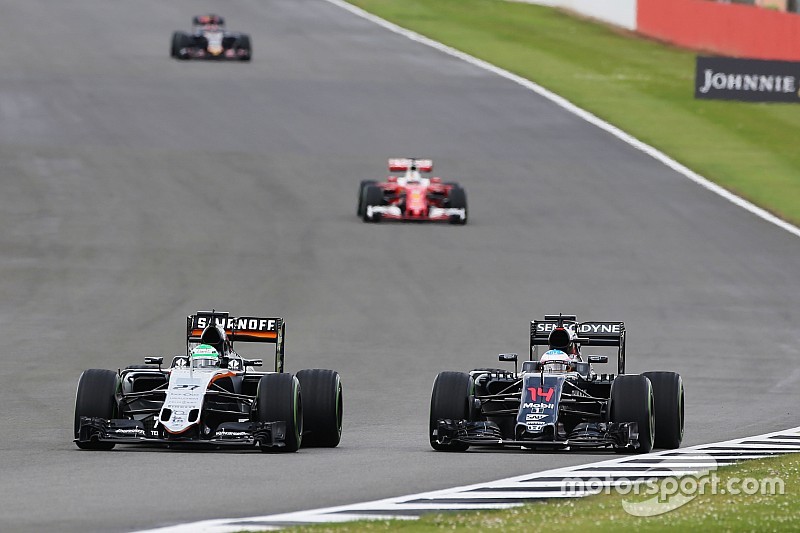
<point x="205" y="356"/>
<point x="552" y="367"/>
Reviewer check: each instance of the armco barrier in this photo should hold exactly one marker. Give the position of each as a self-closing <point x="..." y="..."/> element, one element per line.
<point x="727" y="29"/>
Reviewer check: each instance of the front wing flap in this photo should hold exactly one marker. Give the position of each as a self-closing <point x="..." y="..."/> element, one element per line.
<point x="605" y="435"/>
<point x="434" y="214"/>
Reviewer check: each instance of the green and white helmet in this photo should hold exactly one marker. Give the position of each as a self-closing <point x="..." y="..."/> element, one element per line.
<point x="205" y="356"/>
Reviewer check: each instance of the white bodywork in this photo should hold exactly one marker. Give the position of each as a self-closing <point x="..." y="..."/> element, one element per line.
<point x="214" y="39"/>
<point x="187" y="389"/>
<point x="433" y="212"/>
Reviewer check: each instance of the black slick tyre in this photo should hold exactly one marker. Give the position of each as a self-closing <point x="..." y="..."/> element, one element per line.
<point x="278" y="399"/>
<point x="95" y="398"/>
<point x="361" y="187"/>
<point x="632" y="401"/>
<point x="244" y="44"/>
<point x="182" y="40"/>
<point x="457" y="199"/>
<point x="322" y="407"/>
<point x="450" y="400"/>
<point x="175" y="44"/>
<point x="668" y="393"/>
<point x="373" y="196"/>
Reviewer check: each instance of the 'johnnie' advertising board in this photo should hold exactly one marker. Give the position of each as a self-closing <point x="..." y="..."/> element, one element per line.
<point x="748" y="80"/>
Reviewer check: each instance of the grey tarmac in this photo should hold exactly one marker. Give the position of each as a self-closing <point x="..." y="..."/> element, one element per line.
<point x="137" y="189"/>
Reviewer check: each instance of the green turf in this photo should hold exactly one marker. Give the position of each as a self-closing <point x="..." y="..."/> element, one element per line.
<point x="706" y="513"/>
<point x="646" y="89"/>
<point x="643" y="87"/>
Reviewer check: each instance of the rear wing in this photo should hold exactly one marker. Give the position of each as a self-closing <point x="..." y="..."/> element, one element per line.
<point x="584" y="334"/>
<point x="405" y="163"/>
<point x="242" y="329"/>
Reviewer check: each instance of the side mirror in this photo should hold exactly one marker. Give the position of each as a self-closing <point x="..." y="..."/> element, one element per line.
<point x="253" y="362"/>
<point x="153" y="360"/>
<point x="597" y="358"/>
<point x="509" y="357"/>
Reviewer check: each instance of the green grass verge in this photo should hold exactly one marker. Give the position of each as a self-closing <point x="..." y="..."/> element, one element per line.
<point x="604" y="512"/>
<point x="646" y="89"/>
<point x="643" y="87"/>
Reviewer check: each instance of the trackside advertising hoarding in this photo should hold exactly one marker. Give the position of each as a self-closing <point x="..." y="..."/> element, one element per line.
<point x="747" y="80"/>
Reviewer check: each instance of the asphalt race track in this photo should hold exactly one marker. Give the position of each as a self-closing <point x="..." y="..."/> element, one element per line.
<point x="137" y="189"/>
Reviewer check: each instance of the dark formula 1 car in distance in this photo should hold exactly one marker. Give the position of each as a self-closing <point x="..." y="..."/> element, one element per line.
<point x="210" y="40"/>
<point x="412" y="196"/>
<point x="559" y="401"/>
<point x="211" y="395"/>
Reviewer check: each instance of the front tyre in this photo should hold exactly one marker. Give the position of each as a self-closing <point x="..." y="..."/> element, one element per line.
<point x="322" y="407"/>
<point x="95" y="398"/>
<point x="632" y="401"/>
<point x="457" y="199"/>
<point x="244" y="44"/>
<point x="278" y="399"/>
<point x="373" y="196"/>
<point x="180" y="40"/>
<point x="668" y="393"/>
<point x="450" y="399"/>
<point x="361" y="187"/>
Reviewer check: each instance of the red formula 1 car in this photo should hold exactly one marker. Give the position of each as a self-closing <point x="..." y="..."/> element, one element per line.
<point x="412" y="196"/>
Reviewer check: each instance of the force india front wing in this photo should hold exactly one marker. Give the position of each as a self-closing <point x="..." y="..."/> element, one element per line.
<point x="125" y="431"/>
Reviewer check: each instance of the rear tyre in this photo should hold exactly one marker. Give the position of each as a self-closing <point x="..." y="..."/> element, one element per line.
<point x="457" y="199"/>
<point x="632" y="401"/>
<point x="450" y="399"/>
<point x="363" y="185"/>
<point x="278" y="400"/>
<point x="96" y="398"/>
<point x="322" y="407"/>
<point x="373" y="196"/>
<point x="668" y="393"/>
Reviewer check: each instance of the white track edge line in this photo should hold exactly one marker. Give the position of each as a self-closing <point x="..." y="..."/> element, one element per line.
<point x="578" y="111"/>
<point x="329" y="514"/>
<point x="220" y="525"/>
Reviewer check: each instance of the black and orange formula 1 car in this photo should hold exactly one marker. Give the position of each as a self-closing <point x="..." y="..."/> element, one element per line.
<point x="559" y="401"/>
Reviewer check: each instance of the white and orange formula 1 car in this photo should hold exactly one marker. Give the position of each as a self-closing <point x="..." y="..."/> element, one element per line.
<point x="211" y="395"/>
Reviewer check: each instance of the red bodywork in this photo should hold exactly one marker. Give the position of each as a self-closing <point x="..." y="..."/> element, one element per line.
<point x="415" y="199"/>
